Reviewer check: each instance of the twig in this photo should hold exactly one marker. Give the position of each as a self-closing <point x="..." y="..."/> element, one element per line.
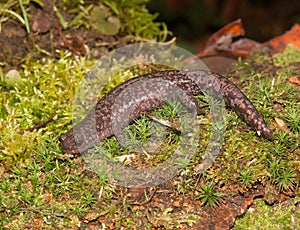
<point x="38" y="126"/>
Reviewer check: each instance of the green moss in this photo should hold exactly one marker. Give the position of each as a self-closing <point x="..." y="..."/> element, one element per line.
<point x="46" y="93"/>
<point x="136" y="19"/>
<point x="16" y="145"/>
<point x="263" y="216"/>
<point x="209" y="196"/>
<point x="290" y="55"/>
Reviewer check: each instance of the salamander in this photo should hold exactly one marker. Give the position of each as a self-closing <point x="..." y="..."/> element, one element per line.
<point x="97" y="125"/>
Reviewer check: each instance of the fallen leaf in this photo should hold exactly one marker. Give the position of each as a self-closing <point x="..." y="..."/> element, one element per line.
<point x="279" y="43"/>
<point x="176" y="204"/>
<point x="221" y="43"/>
<point x="225" y="35"/>
<point x="280" y="124"/>
<point x="74" y="218"/>
<point x="156" y="200"/>
<point x="74" y="43"/>
<point x="91" y="216"/>
<point x="244" y="47"/>
<point x="47" y="197"/>
<point x="294" y="80"/>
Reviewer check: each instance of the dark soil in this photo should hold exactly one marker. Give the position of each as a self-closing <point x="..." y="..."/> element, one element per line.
<point x="47" y="36"/>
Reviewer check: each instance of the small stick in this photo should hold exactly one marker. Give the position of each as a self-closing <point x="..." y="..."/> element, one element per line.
<point x="38" y="126"/>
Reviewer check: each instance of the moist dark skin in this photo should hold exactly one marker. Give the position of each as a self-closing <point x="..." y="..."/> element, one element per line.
<point x="97" y="125"/>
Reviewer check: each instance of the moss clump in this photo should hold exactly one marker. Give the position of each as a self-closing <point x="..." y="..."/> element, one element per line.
<point x="47" y="89"/>
<point x="15" y="144"/>
<point x="290" y="55"/>
<point x="136" y="20"/>
<point x="263" y="216"/>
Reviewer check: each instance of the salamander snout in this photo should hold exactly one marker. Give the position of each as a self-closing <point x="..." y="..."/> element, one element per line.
<point x="68" y="144"/>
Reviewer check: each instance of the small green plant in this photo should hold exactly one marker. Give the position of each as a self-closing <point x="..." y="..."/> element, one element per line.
<point x="88" y="199"/>
<point x="182" y="164"/>
<point x="140" y="130"/>
<point x="275" y="165"/>
<point x="282" y="136"/>
<point x="209" y="196"/>
<point x="281" y="174"/>
<point x="285" y="180"/>
<point x="245" y="177"/>
<point x="293" y="118"/>
<point x="78" y="210"/>
<point x="4" y="186"/>
<point x="279" y="149"/>
<point x="103" y="180"/>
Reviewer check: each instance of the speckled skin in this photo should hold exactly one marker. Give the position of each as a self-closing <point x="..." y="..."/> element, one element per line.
<point x="97" y="125"/>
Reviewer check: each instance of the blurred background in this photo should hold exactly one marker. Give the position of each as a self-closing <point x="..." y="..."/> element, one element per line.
<point x="193" y="21"/>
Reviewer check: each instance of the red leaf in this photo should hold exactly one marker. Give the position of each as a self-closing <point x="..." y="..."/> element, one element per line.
<point x="225" y="35"/>
<point x="279" y="43"/>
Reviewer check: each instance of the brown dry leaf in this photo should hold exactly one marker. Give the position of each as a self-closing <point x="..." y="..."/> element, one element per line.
<point x="294" y="80"/>
<point x="225" y="35"/>
<point x="37" y="223"/>
<point x="47" y="197"/>
<point x="156" y="200"/>
<point x="176" y="204"/>
<point x="74" y="218"/>
<point x="280" y="124"/>
<point x="244" y="47"/>
<point x="91" y="217"/>
<point x="221" y="42"/>
<point x="74" y="43"/>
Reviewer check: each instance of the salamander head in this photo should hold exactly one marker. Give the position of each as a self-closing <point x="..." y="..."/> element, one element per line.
<point x="80" y="138"/>
<point x="75" y="141"/>
<point x="266" y="132"/>
<point x="68" y="143"/>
